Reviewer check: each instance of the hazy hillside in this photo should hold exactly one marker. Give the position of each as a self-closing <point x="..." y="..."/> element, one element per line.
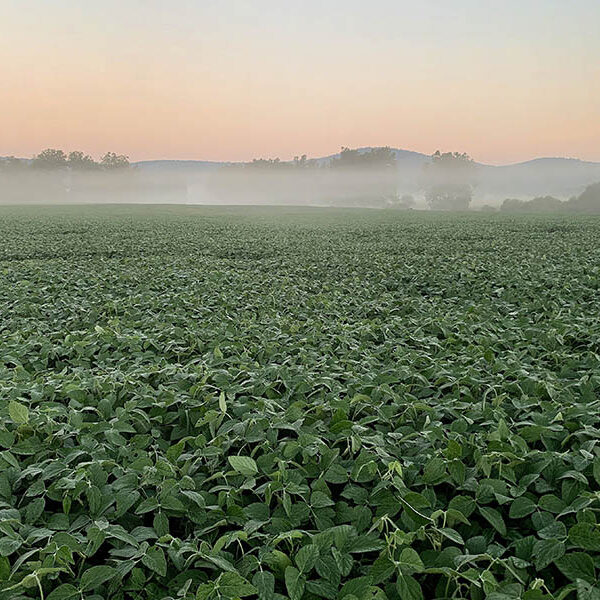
<point x="560" y="177"/>
<point x="178" y="165"/>
<point x="404" y="157"/>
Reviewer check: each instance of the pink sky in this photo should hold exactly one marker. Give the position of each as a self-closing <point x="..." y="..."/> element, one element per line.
<point x="236" y="80"/>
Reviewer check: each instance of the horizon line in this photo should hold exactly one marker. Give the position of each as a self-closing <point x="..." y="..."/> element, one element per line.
<point x="331" y="155"/>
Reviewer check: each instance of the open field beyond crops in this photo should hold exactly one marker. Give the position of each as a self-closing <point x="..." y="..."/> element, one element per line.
<point x="219" y="403"/>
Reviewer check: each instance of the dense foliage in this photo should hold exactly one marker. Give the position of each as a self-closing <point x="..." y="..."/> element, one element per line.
<point x="588" y="202"/>
<point x="217" y="404"/>
<point x="451" y="178"/>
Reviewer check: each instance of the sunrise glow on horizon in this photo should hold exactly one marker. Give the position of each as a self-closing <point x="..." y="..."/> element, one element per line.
<point x="234" y="80"/>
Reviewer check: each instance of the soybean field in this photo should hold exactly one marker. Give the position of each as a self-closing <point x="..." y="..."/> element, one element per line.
<point x="212" y="403"/>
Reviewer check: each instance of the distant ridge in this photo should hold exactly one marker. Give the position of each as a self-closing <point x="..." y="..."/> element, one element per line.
<point x="179" y="164"/>
<point x="555" y="176"/>
<point x="403" y="156"/>
<point x="549" y="160"/>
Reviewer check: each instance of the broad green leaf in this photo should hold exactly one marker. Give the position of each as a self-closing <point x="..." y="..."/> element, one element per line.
<point x="494" y="518"/>
<point x="307" y="557"/>
<point x="206" y="591"/>
<point x="9" y="545"/>
<point x="222" y="402"/>
<point x="264" y="582"/>
<point x="336" y="474"/>
<point x="546" y="552"/>
<point x="243" y="465"/>
<point x="320" y="500"/>
<point x="586" y="536"/>
<point x="434" y="471"/>
<point x="18" y="412"/>
<point x="66" y="591"/>
<point x="452" y="535"/>
<point x="147" y="505"/>
<point x="408" y="588"/>
<point x="294" y="583"/>
<point x="160" y="523"/>
<point x="278" y="561"/>
<point x="358" y="587"/>
<point x="232" y="585"/>
<point x="322" y="588"/>
<point x="94" y="577"/>
<point x="552" y="503"/>
<point x="410" y="562"/>
<point x="577" y="565"/>
<point x="521" y="507"/>
<point x="154" y="559"/>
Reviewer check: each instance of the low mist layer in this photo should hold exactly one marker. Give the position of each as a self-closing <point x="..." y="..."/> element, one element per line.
<point x="367" y="177"/>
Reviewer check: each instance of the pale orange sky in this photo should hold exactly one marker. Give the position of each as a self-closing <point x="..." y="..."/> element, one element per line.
<point x="233" y="80"/>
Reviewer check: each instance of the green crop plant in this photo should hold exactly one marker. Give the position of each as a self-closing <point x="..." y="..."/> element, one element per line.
<point x="220" y="403"/>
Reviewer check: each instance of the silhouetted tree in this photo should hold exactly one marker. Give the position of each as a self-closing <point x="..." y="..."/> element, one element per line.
<point x="272" y="164"/>
<point x="383" y="157"/>
<point x="265" y="163"/>
<point x="50" y="159"/>
<point x="300" y="162"/>
<point x="449" y="181"/>
<point x="79" y="161"/>
<point x="112" y="161"/>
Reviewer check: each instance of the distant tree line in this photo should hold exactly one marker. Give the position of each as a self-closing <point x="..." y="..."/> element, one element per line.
<point x="586" y="202"/>
<point x="448" y="180"/>
<point x="348" y="158"/>
<point x="272" y="164"/>
<point x="372" y="158"/>
<point x="355" y="177"/>
<point x="52" y="159"/>
<point x="56" y="176"/>
<point x="367" y="176"/>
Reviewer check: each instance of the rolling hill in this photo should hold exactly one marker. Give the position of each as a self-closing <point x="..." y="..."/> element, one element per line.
<point x="560" y="177"/>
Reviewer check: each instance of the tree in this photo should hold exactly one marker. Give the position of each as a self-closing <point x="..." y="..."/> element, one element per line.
<point x="545" y="204"/>
<point x="540" y="204"/>
<point x="587" y="201"/>
<point x="382" y="158"/>
<point x="300" y="162"/>
<point x="111" y="161"/>
<point x="50" y="159"/>
<point x="10" y="164"/>
<point x="513" y="205"/>
<point x="449" y="196"/>
<point x="265" y="163"/>
<point x="77" y="160"/>
<point x="449" y="181"/>
<point x="364" y="177"/>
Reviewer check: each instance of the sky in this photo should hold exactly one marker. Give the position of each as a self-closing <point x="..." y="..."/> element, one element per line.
<point x="237" y="79"/>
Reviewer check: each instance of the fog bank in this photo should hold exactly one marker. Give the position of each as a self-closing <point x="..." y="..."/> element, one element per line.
<point x="368" y="177"/>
